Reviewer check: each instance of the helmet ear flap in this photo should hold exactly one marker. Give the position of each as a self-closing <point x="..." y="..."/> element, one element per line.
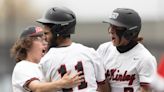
<point x="56" y="29"/>
<point x="130" y="34"/>
<point x="128" y="18"/>
<point x="64" y="29"/>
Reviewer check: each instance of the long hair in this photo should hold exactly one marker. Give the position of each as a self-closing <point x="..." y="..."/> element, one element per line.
<point x="139" y="39"/>
<point x="20" y="48"/>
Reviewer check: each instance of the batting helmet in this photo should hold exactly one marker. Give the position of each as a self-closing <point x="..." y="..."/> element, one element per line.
<point x="62" y="19"/>
<point x="128" y="19"/>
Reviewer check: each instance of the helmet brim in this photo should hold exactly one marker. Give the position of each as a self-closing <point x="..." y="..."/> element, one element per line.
<point x="114" y="22"/>
<point x="45" y="21"/>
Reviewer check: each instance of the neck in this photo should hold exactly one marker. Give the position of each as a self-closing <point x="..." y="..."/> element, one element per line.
<point x="125" y="48"/>
<point x="64" y="42"/>
<point x="31" y="59"/>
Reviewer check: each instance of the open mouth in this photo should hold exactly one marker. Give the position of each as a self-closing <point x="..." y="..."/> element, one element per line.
<point x="43" y="51"/>
<point x="113" y="38"/>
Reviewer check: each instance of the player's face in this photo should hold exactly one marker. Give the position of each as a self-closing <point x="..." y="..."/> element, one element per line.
<point x="48" y="34"/>
<point x="37" y="50"/>
<point x="116" y="40"/>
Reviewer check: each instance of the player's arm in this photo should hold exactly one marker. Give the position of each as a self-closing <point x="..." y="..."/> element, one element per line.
<point x="104" y="87"/>
<point x="66" y="82"/>
<point x="147" y="70"/>
<point x="145" y="88"/>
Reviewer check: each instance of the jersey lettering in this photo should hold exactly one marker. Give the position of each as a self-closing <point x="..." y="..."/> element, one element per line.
<point x="114" y="75"/>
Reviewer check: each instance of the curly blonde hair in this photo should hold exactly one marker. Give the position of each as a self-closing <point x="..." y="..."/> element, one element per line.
<point x="20" y="48"/>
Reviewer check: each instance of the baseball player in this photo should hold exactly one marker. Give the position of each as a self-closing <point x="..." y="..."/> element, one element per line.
<point x="65" y="55"/>
<point x="27" y="75"/>
<point x="128" y="64"/>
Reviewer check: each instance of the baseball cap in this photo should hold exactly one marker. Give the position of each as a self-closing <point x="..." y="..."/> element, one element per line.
<point x="32" y="31"/>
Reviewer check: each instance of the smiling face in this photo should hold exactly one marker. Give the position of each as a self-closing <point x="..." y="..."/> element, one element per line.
<point x="116" y="34"/>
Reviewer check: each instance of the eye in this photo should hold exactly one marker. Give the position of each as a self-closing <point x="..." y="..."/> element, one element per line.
<point x="38" y="38"/>
<point x="46" y="33"/>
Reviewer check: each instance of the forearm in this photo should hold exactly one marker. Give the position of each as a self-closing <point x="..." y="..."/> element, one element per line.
<point x="145" y="88"/>
<point x="105" y="87"/>
<point x="65" y="82"/>
<point x="46" y="86"/>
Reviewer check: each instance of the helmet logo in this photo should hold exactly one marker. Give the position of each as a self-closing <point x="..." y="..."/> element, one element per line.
<point x="51" y="12"/>
<point x="38" y="29"/>
<point x="114" y="15"/>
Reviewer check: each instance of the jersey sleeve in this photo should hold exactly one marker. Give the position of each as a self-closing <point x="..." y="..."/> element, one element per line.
<point x="23" y="75"/>
<point x="98" y="67"/>
<point x="147" y="69"/>
<point x="100" y="50"/>
<point x="104" y="48"/>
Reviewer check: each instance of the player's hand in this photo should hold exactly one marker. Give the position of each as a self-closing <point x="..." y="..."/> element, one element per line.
<point x="69" y="80"/>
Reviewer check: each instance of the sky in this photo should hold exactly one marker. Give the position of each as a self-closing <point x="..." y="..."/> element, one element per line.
<point x="98" y="10"/>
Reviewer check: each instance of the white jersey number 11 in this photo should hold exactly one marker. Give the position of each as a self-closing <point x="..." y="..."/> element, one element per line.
<point x="79" y="67"/>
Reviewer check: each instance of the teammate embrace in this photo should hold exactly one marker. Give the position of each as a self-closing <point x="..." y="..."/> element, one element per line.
<point x="121" y="65"/>
<point x="66" y="67"/>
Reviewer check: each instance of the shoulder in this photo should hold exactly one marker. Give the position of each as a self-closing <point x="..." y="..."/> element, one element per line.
<point x="25" y="68"/>
<point x="22" y="65"/>
<point x="85" y="50"/>
<point x="144" y="52"/>
<point x="82" y="47"/>
<point x="105" y="48"/>
<point x="105" y="45"/>
<point x="47" y="56"/>
<point x="145" y="56"/>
